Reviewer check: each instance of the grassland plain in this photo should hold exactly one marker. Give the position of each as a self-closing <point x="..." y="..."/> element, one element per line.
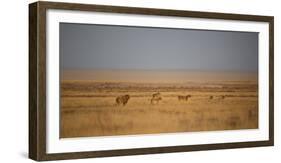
<point x="223" y="102"/>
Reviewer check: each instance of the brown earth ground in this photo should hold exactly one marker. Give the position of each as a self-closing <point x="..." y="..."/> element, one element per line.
<point x="88" y="107"/>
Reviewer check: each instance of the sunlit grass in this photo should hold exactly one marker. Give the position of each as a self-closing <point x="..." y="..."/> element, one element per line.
<point x="88" y="108"/>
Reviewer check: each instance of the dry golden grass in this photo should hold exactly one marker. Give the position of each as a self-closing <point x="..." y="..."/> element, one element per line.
<point x="88" y="108"/>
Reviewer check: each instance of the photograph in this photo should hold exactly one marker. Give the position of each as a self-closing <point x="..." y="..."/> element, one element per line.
<point x="108" y="80"/>
<point x="134" y="80"/>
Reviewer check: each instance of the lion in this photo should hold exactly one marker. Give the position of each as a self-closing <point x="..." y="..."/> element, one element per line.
<point x="122" y="100"/>
<point x="184" y="98"/>
<point x="156" y="97"/>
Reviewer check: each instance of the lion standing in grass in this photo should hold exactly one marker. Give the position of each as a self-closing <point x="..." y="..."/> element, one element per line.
<point x="184" y="98"/>
<point x="156" y="97"/>
<point x="122" y="100"/>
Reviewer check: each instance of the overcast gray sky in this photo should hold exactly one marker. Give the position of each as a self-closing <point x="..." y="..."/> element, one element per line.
<point x="87" y="46"/>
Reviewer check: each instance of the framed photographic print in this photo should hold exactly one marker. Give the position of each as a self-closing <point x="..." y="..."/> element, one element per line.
<point x="112" y="81"/>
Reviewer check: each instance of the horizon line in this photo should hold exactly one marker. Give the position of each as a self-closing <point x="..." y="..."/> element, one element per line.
<point x="137" y="69"/>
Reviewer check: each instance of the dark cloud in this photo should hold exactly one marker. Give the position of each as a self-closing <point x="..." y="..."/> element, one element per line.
<point x="85" y="46"/>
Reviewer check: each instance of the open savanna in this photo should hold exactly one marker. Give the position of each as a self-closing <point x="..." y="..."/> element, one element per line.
<point x="88" y="107"/>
